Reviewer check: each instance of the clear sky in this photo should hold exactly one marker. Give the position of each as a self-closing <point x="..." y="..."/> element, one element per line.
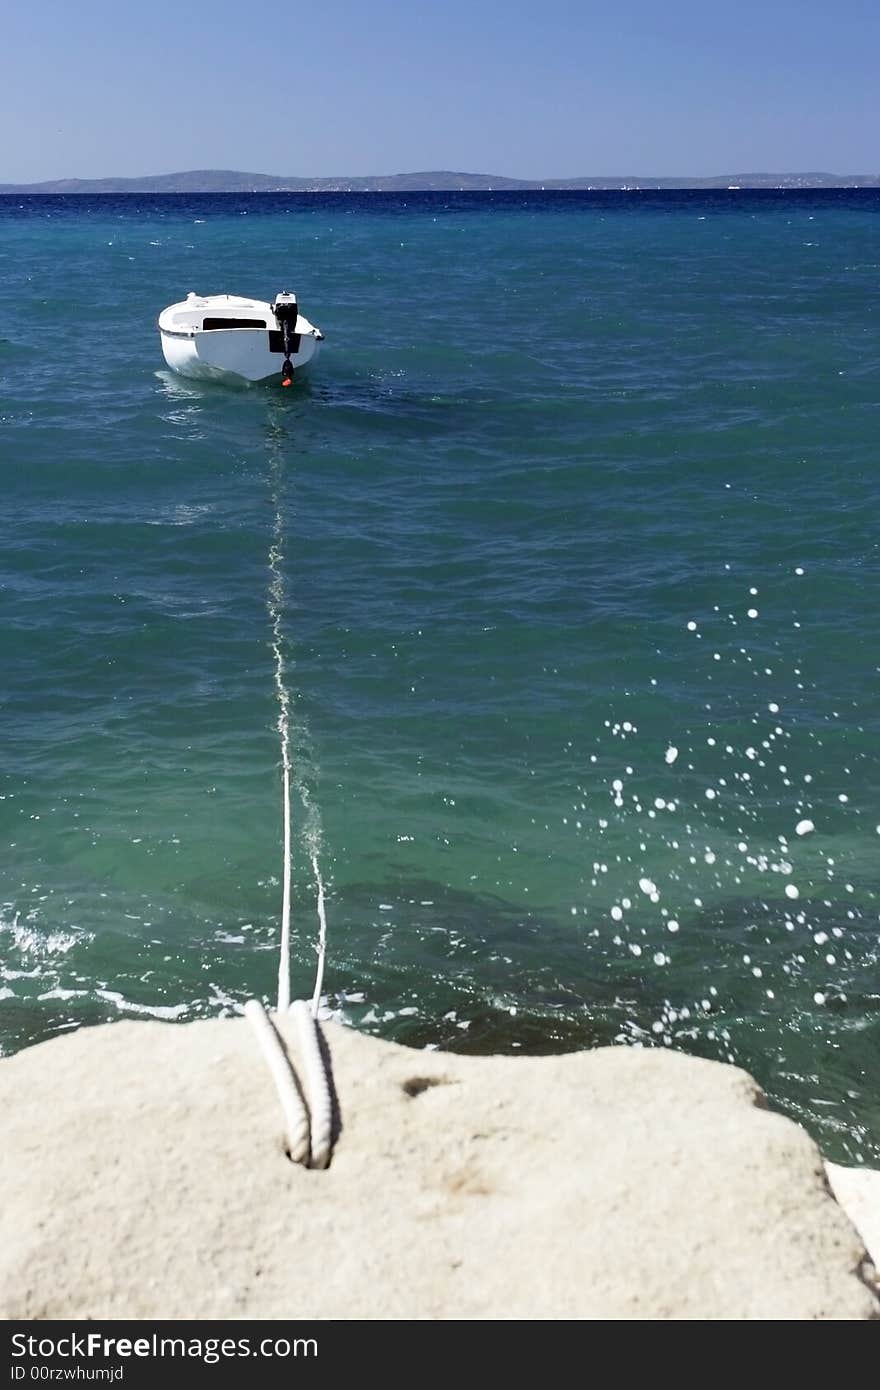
<point x="552" y="88"/>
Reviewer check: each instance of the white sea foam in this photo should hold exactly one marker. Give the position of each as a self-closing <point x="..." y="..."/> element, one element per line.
<point x="168" y="1011"/>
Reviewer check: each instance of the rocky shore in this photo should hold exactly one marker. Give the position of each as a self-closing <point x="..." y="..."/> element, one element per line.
<point x="145" y="1177"/>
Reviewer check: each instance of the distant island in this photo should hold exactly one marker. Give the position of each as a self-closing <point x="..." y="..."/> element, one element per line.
<point x="442" y="181"/>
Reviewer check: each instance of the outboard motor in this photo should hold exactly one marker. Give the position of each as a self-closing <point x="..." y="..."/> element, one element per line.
<point x="286" y="311"/>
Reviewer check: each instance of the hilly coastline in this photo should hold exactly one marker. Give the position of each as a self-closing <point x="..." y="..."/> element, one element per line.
<point x="440" y="181"/>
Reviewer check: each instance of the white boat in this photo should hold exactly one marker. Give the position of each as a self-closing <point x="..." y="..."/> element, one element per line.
<point x="225" y="337"/>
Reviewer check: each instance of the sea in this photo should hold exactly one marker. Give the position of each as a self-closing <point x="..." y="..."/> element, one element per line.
<point x="563" y="565"/>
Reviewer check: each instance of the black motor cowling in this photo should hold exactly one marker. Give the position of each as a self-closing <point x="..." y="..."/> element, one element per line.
<point x="286" y="311"/>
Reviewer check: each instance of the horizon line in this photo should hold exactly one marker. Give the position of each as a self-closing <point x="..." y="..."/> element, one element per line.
<point x="558" y="182"/>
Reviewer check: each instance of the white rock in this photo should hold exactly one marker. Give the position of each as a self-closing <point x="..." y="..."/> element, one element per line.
<point x="144" y="1178"/>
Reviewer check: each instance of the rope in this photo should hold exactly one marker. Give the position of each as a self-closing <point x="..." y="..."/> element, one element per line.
<point x="275" y="605"/>
<point x="308" y="1124"/>
<point x="296" y="1116"/>
<point x="322" y="935"/>
<point x="317" y="1083"/>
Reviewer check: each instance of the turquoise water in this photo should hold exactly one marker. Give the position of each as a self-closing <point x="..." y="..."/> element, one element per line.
<point x="556" y="451"/>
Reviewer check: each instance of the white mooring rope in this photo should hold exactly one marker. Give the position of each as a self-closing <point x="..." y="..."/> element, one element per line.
<point x="317" y="1089"/>
<point x="308" y="1123"/>
<point x="276" y="605"/>
<point x="322" y="934"/>
<point x="296" y="1116"/>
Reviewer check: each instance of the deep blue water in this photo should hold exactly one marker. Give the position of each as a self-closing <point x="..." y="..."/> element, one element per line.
<point x="580" y="480"/>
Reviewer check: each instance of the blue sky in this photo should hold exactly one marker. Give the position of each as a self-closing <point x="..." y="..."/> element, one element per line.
<point x="555" y="88"/>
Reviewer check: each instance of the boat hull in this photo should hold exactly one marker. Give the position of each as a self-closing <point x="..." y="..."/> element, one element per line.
<point x="232" y="354"/>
